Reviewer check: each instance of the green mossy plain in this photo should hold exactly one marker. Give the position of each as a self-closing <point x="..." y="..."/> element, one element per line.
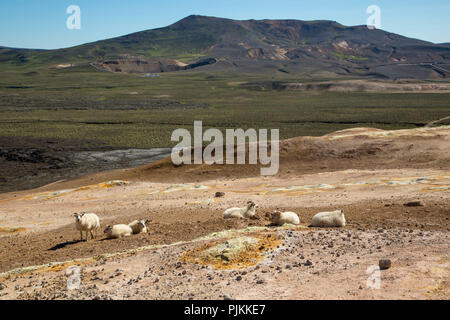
<point x="130" y="111"/>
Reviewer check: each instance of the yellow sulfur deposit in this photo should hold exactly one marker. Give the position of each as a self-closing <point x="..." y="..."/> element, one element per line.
<point x="234" y="253"/>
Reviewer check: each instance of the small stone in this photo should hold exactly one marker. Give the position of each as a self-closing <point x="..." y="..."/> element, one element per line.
<point x="227" y="297"/>
<point x="384" y="264"/>
<point x="220" y="194"/>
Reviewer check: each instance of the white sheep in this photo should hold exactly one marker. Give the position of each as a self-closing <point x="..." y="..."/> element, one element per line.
<point x="139" y="226"/>
<point x="118" y="231"/>
<point x="280" y="218"/>
<point x="329" y="219"/>
<point x="249" y="211"/>
<point x="88" y="222"/>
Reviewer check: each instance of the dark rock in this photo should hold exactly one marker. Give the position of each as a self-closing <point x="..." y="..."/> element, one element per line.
<point x="384" y="264"/>
<point x="413" y="204"/>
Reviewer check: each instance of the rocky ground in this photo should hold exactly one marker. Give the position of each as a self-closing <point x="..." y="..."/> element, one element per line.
<point x="190" y="252"/>
<point x="309" y="264"/>
<point x="27" y="163"/>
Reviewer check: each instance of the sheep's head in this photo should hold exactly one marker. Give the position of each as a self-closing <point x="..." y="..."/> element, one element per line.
<point x="276" y="215"/>
<point x="251" y="210"/>
<point x="78" y="216"/>
<point x="251" y="204"/>
<point x="108" y="229"/>
<point x="143" y="224"/>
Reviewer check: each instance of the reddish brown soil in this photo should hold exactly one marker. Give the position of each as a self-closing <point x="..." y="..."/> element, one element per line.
<point x="174" y="225"/>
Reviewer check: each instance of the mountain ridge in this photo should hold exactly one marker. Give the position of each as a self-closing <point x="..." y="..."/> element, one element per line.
<point x="292" y="46"/>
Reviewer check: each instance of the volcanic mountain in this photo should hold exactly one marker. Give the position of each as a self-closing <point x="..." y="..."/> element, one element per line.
<point x="314" y="48"/>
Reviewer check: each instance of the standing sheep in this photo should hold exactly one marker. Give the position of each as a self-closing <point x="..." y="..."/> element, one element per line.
<point x="139" y="226"/>
<point x="280" y="218"/>
<point x="249" y="211"/>
<point x="329" y="219"/>
<point x="118" y="231"/>
<point x="88" y="222"/>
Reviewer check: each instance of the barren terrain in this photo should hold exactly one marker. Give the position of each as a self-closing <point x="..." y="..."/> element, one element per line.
<point x="392" y="185"/>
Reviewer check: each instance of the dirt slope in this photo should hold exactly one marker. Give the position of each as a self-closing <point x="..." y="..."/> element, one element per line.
<point x="358" y="148"/>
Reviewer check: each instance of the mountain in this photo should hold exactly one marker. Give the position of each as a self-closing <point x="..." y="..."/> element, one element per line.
<point x="314" y="48"/>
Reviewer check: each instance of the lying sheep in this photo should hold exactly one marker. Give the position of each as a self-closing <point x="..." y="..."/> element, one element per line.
<point x="249" y="211"/>
<point x="329" y="219"/>
<point x="280" y="218"/>
<point x="118" y="231"/>
<point x="139" y="226"/>
<point x="88" y="222"/>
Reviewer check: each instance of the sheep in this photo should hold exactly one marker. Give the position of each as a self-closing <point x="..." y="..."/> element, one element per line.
<point x="118" y="231"/>
<point x="280" y="218"/>
<point x="88" y="222"/>
<point x="249" y="211"/>
<point x="329" y="219"/>
<point x="138" y="226"/>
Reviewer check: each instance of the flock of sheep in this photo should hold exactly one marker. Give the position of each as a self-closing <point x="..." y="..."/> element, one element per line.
<point x="322" y="219"/>
<point x="90" y="222"/>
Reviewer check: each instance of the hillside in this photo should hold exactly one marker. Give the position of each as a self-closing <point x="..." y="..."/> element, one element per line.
<point x="356" y="148"/>
<point x="253" y="46"/>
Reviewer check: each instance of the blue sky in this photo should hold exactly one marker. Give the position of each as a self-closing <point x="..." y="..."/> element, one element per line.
<point x="42" y="23"/>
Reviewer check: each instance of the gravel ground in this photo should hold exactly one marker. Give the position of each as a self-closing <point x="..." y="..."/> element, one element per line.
<point x="401" y="214"/>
